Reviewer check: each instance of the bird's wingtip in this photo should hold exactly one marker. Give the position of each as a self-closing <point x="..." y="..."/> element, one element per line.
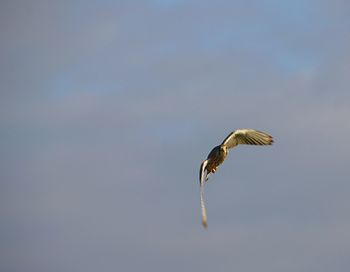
<point x="205" y="225"/>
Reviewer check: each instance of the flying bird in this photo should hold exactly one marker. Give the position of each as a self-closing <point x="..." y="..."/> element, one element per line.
<point x="220" y="152"/>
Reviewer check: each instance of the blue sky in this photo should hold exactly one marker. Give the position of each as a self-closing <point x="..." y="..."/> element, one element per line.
<point x="108" y="108"/>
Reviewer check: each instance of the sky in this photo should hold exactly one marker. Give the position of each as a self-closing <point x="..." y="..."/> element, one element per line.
<point x="108" y="108"/>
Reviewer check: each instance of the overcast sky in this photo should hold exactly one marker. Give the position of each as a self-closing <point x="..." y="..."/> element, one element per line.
<point x="107" y="109"/>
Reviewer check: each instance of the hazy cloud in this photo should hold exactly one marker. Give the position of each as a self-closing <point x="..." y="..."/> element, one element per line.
<point x="107" y="110"/>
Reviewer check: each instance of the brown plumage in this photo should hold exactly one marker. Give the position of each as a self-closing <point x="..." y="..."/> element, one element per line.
<point x="220" y="152"/>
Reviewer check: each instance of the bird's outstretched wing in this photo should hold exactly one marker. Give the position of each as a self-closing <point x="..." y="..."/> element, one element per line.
<point x="247" y="136"/>
<point x="201" y="184"/>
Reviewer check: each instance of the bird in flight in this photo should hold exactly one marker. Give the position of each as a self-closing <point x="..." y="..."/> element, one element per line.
<point x="220" y="152"/>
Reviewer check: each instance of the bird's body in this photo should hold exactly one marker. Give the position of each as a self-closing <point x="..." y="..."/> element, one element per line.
<point x="216" y="157"/>
<point x="219" y="153"/>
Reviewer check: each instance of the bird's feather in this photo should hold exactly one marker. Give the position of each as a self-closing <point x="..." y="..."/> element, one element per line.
<point x="247" y="136"/>
<point x="201" y="185"/>
<point x="204" y="212"/>
<point x="202" y="170"/>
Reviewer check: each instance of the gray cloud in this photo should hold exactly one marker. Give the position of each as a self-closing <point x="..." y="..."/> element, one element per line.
<point x="107" y="110"/>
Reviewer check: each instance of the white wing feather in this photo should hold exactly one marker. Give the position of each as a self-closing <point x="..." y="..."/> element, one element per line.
<point x="247" y="136"/>
<point x="201" y="185"/>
